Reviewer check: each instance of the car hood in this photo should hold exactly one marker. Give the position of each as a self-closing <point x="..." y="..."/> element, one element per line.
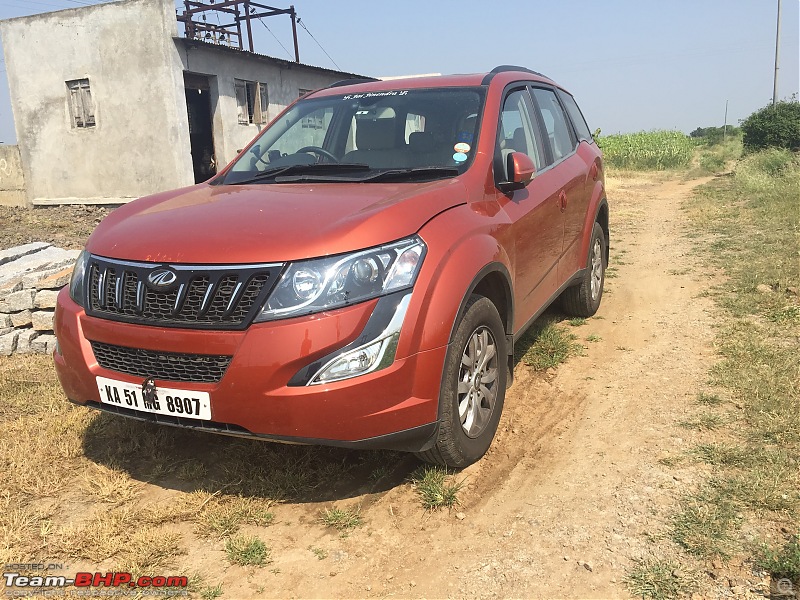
<point x="234" y="224"/>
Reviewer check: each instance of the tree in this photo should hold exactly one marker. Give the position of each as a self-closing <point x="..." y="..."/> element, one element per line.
<point x="774" y="126"/>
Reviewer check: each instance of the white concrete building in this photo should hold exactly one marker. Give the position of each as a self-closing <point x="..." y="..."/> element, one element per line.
<point x="110" y="104"/>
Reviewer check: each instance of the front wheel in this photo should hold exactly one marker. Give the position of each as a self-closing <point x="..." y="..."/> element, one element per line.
<point x="583" y="300"/>
<point x="473" y="387"/>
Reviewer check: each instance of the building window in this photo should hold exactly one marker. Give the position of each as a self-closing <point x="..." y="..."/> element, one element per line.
<point x="252" y="101"/>
<point x="80" y="103"/>
<point x="303" y="92"/>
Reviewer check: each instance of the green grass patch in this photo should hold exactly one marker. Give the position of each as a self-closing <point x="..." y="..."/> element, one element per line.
<point x="436" y="487"/>
<point x="704" y="422"/>
<point x="547" y="344"/>
<point x="657" y="579"/>
<point x="343" y="519"/>
<point x="210" y="592"/>
<point x="782" y="562"/>
<point x="705" y="524"/>
<point x="708" y="399"/>
<point x="247" y="551"/>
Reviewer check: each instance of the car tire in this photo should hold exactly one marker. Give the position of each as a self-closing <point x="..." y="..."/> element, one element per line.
<point x="583" y="300"/>
<point x="473" y="387"/>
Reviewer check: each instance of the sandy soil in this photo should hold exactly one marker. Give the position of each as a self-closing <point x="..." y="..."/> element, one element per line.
<point x="571" y="490"/>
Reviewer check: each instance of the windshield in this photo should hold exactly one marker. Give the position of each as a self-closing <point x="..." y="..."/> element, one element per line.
<point x="369" y="136"/>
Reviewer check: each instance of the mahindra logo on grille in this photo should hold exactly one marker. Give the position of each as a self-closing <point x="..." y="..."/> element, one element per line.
<point x="162" y="278"/>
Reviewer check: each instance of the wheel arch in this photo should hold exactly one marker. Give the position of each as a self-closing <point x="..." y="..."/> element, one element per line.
<point x="493" y="281"/>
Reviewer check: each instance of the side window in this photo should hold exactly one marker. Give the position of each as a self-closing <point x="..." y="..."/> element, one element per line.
<point x="516" y="132"/>
<point x="581" y="128"/>
<point x="555" y="122"/>
<point x="251" y="101"/>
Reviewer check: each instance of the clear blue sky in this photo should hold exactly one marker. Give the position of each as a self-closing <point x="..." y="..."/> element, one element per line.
<point x="632" y="64"/>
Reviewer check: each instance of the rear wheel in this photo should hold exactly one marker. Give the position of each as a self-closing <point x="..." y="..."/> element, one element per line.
<point x="473" y="387"/>
<point x="583" y="300"/>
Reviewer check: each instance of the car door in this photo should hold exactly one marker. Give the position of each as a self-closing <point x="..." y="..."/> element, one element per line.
<point x="537" y="222"/>
<point x="575" y="216"/>
<point x="571" y="170"/>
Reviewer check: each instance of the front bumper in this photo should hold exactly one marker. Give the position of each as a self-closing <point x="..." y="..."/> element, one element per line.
<point x="394" y="408"/>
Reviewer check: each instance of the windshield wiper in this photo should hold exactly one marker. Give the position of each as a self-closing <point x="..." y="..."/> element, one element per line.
<point x="415" y="173"/>
<point x="315" y="168"/>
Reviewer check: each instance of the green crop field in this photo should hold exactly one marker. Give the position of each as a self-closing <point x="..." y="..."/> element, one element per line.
<point x="647" y="151"/>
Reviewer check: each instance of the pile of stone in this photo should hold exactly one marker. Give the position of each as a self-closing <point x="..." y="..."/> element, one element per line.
<point x="30" y="279"/>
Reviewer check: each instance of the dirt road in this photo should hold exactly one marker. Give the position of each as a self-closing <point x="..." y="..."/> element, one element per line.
<point x="572" y="488"/>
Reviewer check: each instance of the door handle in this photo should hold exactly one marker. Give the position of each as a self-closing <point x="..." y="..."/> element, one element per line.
<point x="562" y="200"/>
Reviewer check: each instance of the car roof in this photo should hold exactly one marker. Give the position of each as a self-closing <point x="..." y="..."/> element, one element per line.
<point x="504" y="74"/>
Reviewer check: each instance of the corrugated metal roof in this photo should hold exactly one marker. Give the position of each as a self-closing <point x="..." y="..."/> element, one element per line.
<point x="286" y="64"/>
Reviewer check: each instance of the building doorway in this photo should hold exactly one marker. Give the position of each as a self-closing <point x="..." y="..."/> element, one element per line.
<point x="201" y="130"/>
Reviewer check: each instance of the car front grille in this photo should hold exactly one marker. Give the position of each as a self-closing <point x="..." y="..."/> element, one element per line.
<point x="199" y="297"/>
<point x="169" y="366"/>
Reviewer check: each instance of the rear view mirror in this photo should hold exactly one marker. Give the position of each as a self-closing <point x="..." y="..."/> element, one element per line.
<point x="519" y="171"/>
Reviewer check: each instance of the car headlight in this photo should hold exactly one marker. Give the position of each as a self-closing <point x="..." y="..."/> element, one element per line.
<point x="327" y="283"/>
<point x="76" y="287"/>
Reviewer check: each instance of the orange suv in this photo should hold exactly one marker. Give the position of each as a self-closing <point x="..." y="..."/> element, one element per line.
<point x="356" y="277"/>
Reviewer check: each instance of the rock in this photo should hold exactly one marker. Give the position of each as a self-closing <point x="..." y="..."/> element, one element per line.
<point x="8" y="343"/>
<point x="588" y="567"/>
<point x="21" y="319"/>
<point x="792" y="290"/>
<point x="49" y="257"/>
<point x="45" y="299"/>
<point x="42" y="320"/>
<point x="24" y="341"/>
<point x="20" y="251"/>
<point x="10" y="287"/>
<point x="460" y="516"/>
<point x="30" y="280"/>
<point x="20" y="300"/>
<point x="44" y="344"/>
<point x="5" y="320"/>
<point x="764" y="288"/>
<point x="6" y="330"/>
<point x="55" y="281"/>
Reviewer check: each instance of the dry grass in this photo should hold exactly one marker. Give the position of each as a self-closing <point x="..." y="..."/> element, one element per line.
<point x="95" y="489"/>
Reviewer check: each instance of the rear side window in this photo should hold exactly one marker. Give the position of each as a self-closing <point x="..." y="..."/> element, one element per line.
<point x="555" y="122"/>
<point x="581" y="128"/>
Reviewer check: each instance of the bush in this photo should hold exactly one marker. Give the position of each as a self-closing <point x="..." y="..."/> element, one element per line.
<point x="774" y="126"/>
<point x="715" y="135"/>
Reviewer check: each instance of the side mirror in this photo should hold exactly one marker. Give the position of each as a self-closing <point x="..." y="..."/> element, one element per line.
<point x="519" y="171"/>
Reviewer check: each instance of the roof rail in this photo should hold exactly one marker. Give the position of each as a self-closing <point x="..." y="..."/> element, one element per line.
<point x="352" y="81"/>
<point x="505" y="68"/>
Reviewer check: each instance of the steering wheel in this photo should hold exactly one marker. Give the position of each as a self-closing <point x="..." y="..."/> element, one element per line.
<point x="319" y="151"/>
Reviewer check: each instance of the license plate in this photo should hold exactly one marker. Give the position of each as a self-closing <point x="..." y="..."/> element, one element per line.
<point x="167" y="401"/>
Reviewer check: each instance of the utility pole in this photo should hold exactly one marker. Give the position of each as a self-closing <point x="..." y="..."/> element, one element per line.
<point x="777" y="52"/>
<point x="725" y="126"/>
